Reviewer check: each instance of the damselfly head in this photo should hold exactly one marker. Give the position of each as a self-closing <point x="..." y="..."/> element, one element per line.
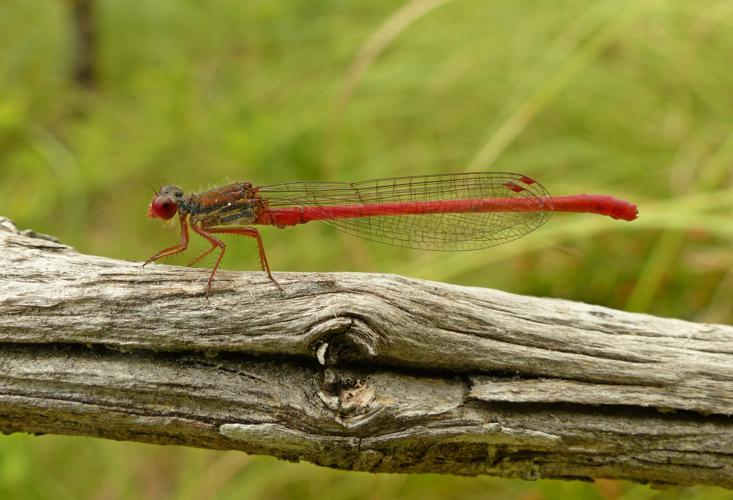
<point x="165" y="203"/>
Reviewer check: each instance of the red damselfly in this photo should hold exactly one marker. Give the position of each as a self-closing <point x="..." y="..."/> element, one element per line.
<point x="463" y="211"/>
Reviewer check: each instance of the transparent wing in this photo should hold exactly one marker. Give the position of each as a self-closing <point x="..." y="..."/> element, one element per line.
<point x="446" y="230"/>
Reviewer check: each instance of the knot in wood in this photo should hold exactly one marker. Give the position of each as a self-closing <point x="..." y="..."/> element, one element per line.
<point x="344" y="339"/>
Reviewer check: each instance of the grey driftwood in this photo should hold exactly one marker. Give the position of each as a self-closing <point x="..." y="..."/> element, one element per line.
<point x="358" y="371"/>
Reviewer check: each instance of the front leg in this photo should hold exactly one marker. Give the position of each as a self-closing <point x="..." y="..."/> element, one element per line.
<point x="175" y="248"/>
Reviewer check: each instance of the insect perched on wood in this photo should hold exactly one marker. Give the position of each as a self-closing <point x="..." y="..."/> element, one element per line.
<point x="463" y="211"/>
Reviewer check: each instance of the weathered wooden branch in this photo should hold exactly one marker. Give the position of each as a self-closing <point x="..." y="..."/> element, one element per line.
<point x="359" y="371"/>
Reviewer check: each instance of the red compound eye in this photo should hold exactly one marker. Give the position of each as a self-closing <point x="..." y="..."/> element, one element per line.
<point x="163" y="207"/>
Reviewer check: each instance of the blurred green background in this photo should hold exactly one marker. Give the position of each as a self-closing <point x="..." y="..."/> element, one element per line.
<point x="626" y="97"/>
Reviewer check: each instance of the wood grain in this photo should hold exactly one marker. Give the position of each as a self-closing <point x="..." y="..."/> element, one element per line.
<point x="359" y="371"/>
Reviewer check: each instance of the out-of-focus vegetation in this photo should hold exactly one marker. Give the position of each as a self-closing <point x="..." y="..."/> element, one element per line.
<point x="631" y="98"/>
